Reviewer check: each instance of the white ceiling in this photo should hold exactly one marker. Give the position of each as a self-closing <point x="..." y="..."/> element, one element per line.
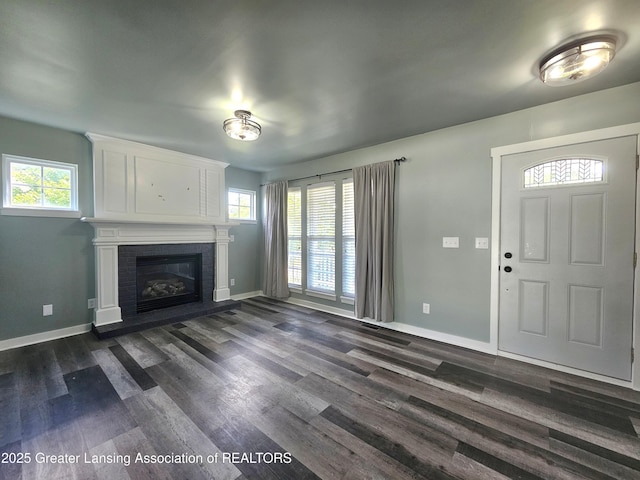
<point x="321" y="76"/>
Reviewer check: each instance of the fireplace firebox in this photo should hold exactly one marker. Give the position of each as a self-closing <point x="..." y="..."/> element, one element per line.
<point x="167" y="280"/>
<point x="151" y="257"/>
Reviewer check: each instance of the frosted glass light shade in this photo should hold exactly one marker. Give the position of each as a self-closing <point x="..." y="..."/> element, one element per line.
<point x="577" y="61"/>
<point x="241" y="127"/>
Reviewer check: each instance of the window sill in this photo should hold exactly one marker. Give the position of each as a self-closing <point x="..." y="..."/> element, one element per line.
<point x="37" y="212"/>
<point x="243" y="222"/>
<point x="347" y="300"/>
<point x="323" y="295"/>
<point x="295" y="289"/>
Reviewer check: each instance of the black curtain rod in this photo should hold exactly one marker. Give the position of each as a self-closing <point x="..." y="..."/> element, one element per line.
<point x="397" y="160"/>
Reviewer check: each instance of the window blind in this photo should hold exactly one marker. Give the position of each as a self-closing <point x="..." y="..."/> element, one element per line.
<point x="294" y="234"/>
<point x="348" y="240"/>
<point x="321" y="242"/>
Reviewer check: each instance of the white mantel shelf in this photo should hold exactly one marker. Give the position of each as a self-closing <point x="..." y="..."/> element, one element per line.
<point x="111" y="231"/>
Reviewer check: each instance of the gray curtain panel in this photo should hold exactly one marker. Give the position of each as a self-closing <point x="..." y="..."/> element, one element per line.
<point x="373" y="187"/>
<point x="275" y="281"/>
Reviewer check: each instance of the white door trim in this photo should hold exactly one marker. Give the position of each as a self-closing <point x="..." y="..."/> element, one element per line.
<point x="496" y="188"/>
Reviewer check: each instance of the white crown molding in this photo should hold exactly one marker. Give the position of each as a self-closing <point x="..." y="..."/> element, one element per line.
<point x="149" y="149"/>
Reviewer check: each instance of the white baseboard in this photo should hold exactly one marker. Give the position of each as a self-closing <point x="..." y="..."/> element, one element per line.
<point x="44" y="337"/>
<point x="242" y="296"/>
<point x="476" y="345"/>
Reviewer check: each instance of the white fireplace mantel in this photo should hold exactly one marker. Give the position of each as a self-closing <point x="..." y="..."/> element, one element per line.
<point x="110" y="234"/>
<point x="148" y="195"/>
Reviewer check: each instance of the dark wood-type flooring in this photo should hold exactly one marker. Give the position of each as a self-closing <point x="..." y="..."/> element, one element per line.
<point x="302" y="395"/>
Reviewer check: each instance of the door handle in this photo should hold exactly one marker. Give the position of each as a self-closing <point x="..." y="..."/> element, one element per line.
<point x="508" y="269"/>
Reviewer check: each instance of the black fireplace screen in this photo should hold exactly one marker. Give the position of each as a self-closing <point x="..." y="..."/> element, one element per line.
<point x="167" y="280"/>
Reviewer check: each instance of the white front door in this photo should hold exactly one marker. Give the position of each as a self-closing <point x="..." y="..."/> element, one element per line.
<point x="567" y="255"/>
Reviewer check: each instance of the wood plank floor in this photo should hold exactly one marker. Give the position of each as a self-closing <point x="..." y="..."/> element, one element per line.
<point x="276" y="391"/>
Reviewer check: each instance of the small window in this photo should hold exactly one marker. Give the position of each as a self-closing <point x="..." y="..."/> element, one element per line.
<point x="564" y="171"/>
<point x="39" y="187"/>
<point x="241" y="204"/>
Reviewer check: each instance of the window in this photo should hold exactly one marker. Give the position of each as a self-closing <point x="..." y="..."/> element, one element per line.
<point x="321" y="237"/>
<point x="294" y="234"/>
<point x="241" y="204"/>
<point x="564" y="171"/>
<point x="348" y="241"/>
<point x="39" y="187"/>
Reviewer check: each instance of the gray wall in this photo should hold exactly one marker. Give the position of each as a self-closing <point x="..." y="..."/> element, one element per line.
<point x="46" y="260"/>
<point x="445" y="190"/>
<point x="244" y="252"/>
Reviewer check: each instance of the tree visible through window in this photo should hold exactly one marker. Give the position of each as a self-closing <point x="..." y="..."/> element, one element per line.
<point x="39" y="184"/>
<point x="241" y="204"/>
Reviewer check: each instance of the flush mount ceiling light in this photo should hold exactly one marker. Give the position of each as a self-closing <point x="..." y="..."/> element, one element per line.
<point x="578" y="60"/>
<point x="241" y="127"/>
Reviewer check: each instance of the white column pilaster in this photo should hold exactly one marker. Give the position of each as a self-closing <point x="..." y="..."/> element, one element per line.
<point x="107" y="306"/>
<point x="221" y="282"/>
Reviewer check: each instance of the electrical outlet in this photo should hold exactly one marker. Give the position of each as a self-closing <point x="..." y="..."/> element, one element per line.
<point x="47" y="310"/>
<point x="232" y="282"/>
<point x="426" y="308"/>
<point x="91" y="303"/>
<point x="450" y="242"/>
<point x="482" y="242"/>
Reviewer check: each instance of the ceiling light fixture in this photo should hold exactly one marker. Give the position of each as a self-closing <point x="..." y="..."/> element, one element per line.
<point x="578" y="60"/>
<point x="241" y="127"/>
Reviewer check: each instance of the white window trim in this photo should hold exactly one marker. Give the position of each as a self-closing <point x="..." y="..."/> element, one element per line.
<point x="254" y="219"/>
<point x="31" y="211"/>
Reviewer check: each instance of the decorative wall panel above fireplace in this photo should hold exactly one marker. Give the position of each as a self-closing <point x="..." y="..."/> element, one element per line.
<point x="137" y="182"/>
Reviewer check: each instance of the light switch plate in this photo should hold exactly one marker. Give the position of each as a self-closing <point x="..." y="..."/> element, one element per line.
<point x="482" y="242"/>
<point x="450" y="242"/>
<point x="47" y="310"/>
